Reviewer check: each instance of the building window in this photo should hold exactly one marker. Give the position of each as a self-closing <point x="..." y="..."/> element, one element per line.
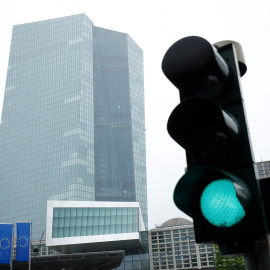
<point x="70" y="222"/>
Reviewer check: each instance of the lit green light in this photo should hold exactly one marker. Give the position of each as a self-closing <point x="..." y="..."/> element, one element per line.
<point x="220" y="205"/>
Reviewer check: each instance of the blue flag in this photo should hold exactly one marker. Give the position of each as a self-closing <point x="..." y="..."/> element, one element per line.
<point x="6" y="234"/>
<point x="23" y="241"/>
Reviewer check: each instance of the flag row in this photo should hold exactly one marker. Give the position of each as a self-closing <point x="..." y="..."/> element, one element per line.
<point x="23" y="242"/>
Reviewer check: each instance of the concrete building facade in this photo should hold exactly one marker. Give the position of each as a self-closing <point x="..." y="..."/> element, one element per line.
<point x="172" y="246"/>
<point x="263" y="169"/>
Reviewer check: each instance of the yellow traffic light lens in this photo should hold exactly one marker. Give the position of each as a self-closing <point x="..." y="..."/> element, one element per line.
<point x="220" y="205"/>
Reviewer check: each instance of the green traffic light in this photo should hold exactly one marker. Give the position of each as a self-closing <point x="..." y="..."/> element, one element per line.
<point x="220" y="205"/>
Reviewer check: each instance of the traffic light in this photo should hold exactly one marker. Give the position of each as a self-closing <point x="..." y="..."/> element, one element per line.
<point x="219" y="190"/>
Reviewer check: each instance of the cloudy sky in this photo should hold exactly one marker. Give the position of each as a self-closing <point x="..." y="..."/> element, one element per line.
<point x="155" y="26"/>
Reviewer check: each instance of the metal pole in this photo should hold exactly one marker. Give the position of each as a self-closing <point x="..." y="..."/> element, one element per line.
<point x="12" y="244"/>
<point x="260" y="261"/>
<point x="30" y="240"/>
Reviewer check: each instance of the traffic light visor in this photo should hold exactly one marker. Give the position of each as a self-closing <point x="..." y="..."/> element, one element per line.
<point x="213" y="195"/>
<point x="203" y="128"/>
<point x="195" y="67"/>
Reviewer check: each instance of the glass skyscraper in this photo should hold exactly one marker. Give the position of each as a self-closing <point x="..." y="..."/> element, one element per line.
<point x="73" y="119"/>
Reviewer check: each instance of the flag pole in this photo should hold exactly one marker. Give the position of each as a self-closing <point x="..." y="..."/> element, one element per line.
<point x="30" y="245"/>
<point x="11" y="253"/>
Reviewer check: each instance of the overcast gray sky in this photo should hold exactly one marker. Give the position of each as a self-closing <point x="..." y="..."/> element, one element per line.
<point x="155" y="26"/>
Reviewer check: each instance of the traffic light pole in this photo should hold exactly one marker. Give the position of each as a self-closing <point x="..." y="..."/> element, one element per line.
<point x="261" y="261"/>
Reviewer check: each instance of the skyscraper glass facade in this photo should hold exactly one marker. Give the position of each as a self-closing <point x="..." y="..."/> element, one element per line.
<point x="73" y="119"/>
<point x="119" y="119"/>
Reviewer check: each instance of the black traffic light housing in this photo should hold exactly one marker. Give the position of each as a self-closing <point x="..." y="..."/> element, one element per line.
<point x="210" y="124"/>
